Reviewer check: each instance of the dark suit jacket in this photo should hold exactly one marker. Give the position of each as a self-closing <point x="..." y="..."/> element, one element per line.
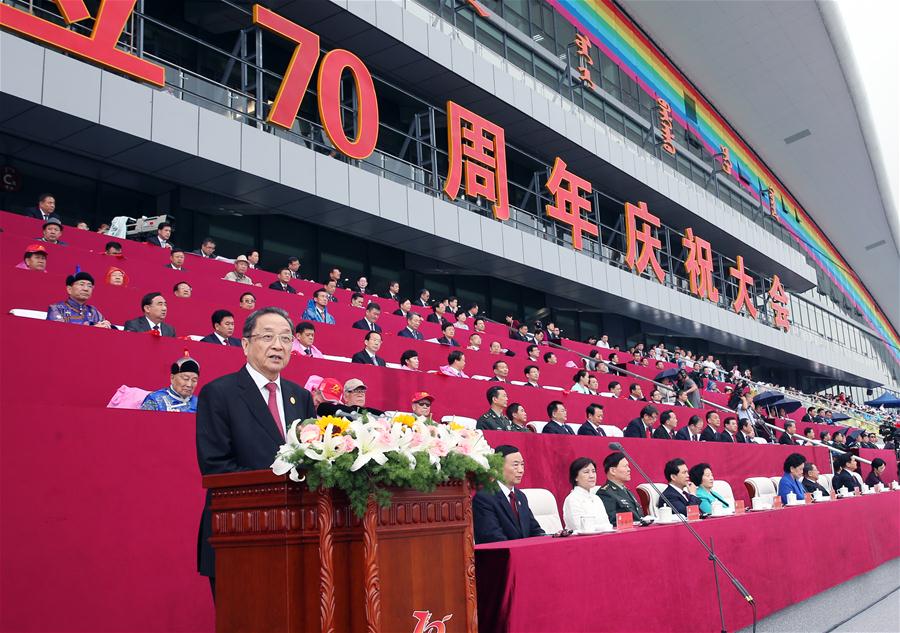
<point x="235" y="431"/>
<point x="725" y="436"/>
<point x="709" y="434"/>
<point x="153" y="239"/>
<point x="36" y="213"/>
<point x="739" y="438"/>
<point x="557" y="429"/>
<point x="635" y="428"/>
<point x="140" y="324"/>
<point x="407" y="333"/>
<point x="684" y="433"/>
<point x="276" y="285"/>
<point x="844" y="479"/>
<point x="211" y="338"/>
<point x="362" y="324"/>
<point x="786" y="439"/>
<point x="588" y="429"/>
<point x="494" y="520"/>
<point x="171" y="267"/>
<point x="363" y="357"/>
<point x="677" y="500"/>
<point x="811" y="486"/>
<point x="661" y="433"/>
<point x="200" y="253"/>
<point x="448" y="341"/>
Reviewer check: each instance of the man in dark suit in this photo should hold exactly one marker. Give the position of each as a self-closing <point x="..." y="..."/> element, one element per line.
<point x="223" y="328"/>
<point x="788" y="436"/>
<point x="369" y="354"/>
<point x="438" y="314"/>
<point x="680" y="491"/>
<point x="370" y="321"/>
<point x="846" y="465"/>
<point x="521" y="334"/>
<point x="666" y="429"/>
<point x="592" y="426"/>
<point x="46" y="208"/>
<point x="411" y="330"/>
<point x="692" y="432"/>
<point x="424" y="297"/>
<point x="447" y="339"/>
<point x="242" y="418"/>
<point x="207" y="249"/>
<point x="556" y="411"/>
<point x="283" y="283"/>
<point x="729" y="433"/>
<point x="504" y="515"/>
<point x="154" y="307"/>
<point x="811" y="479"/>
<point x="163" y="234"/>
<point x="176" y="259"/>
<point x="642" y="426"/>
<point x="745" y="432"/>
<point x="711" y="432"/>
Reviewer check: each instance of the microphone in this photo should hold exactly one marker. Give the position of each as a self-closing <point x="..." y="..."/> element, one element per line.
<point x="617" y="446"/>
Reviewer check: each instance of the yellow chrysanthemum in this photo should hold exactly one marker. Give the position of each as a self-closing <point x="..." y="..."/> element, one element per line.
<point x="456" y="426"/>
<point x="338" y="425"/>
<point x="405" y="418"/>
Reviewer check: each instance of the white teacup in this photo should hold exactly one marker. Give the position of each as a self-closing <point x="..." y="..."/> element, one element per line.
<point x="717" y="508"/>
<point x="842" y="490"/>
<point x="791" y="498"/>
<point x="587" y="524"/>
<point x="759" y="503"/>
<point x="817" y="494"/>
<point x="664" y="513"/>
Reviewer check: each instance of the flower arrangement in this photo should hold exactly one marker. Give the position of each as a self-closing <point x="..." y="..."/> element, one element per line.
<point x="367" y="455"/>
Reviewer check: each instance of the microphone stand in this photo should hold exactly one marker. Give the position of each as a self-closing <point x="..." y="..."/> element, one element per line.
<point x="712" y="556"/>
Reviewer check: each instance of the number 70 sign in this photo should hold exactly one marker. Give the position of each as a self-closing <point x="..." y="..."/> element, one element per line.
<point x="100" y="46"/>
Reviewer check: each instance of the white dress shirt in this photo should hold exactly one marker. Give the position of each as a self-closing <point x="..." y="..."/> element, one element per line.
<point x="581" y="503"/>
<point x="261" y="382"/>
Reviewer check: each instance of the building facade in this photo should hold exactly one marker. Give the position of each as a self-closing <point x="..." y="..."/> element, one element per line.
<point x="540" y="157"/>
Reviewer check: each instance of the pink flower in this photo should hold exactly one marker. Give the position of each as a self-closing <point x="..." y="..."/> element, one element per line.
<point x="309" y="433"/>
<point x="438" y="448"/>
<point x="347" y="444"/>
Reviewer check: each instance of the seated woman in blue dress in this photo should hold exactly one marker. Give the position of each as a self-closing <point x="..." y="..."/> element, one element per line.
<point x="702" y="477"/>
<point x="792" y="477"/>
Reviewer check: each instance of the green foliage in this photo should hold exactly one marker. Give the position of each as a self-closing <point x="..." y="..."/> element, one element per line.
<point x="376" y="479"/>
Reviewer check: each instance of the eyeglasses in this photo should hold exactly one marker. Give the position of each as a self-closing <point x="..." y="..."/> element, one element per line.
<point x="268" y="338"/>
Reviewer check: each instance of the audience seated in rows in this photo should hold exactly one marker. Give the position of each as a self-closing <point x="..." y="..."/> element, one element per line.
<point x="154" y="308"/>
<point x="680" y="491"/>
<point x="504" y="515"/>
<point x="369" y="354"/>
<point x="557" y="414"/>
<point x="456" y="362"/>
<point x="702" y="477"/>
<point x="223" y="329"/>
<point x="304" y="341"/>
<point x="582" y="509"/>
<point x="353" y="400"/>
<point x="317" y="308"/>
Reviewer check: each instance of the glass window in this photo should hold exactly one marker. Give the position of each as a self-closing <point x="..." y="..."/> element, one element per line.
<point x="519" y="55"/>
<point x="516" y="13"/>
<point x="490" y="36"/>
<point x="546" y="73"/>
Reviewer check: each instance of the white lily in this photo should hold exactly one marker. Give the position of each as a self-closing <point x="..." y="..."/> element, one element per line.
<point x="329" y="448"/>
<point x="369" y="446"/>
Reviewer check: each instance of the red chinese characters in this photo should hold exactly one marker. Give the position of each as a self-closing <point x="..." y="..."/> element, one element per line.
<point x="699" y="266"/>
<point x="585" y="62"/>
<point x="780" y="304"/>
<point x="742" y="300"/>
<point x="726" y="159"/>
<point x="665" y="125"/>
<point x="638" y="257"/>
<point x="477" y="150"/>
<point x="100" y="46"/>
<point x="568" y="192"/>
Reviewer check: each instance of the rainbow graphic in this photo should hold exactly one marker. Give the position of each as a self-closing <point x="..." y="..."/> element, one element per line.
<point x="623" y="42"/>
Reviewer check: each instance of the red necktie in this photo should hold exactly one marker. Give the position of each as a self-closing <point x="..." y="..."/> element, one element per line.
<point x="273" y="407"/>
<point x="649" y="434"/>
<point x="514" y="504"/>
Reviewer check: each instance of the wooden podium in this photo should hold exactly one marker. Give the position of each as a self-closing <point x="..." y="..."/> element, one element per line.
<point x="291" y="560"/>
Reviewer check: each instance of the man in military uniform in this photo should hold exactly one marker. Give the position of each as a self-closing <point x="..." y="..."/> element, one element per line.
<point x="495" y="419"/>
<point x="615" y="496"/>
<point x="75" y="309"/>
<point x="179" y="396"/>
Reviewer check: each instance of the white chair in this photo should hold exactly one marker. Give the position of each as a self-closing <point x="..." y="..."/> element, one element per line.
<point x="479" y="377"/>
<point x="759" y="486"/>
<point x="29" y="314"/>
<point x="612" y="431"/>
<point x="195" y="337"/>
<point x="516" y="382"/>
<point x="574" y="426"/>
<point x="775" y="481"/>
<point x="468" y="423"/>
<point x="825" y="481"/>
<point x="545" y="509"/>
<point x="648" y="497"/>
<point x="723" y="489"/>
<point x="393" y="365"/>
<point x="758" y="440"/>
<point x="340" y="359"/>
<point x="537" y="427"/>
<point x="552" y="388"/>
<point x="859" y="480"/>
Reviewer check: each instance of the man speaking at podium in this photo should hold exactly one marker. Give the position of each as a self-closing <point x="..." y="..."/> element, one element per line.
<point x="242" y="417"/>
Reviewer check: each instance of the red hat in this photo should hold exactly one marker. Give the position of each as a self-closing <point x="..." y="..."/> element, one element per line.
<point x="422" y="395"/>
<point x="35" y="248"/>
<point x="332" y="390"/>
